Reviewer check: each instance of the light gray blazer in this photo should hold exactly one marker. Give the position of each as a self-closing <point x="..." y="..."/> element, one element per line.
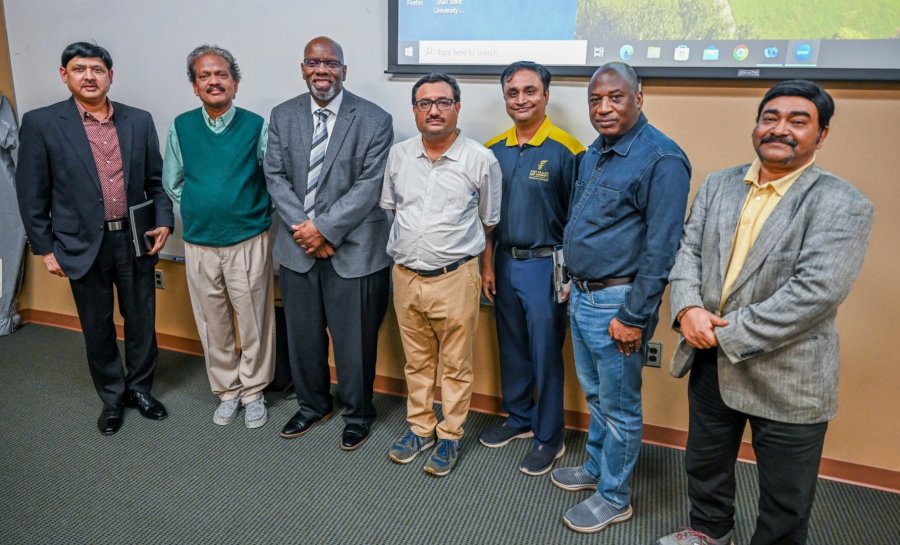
<point x="347" y="211"/>
<point x="778" y="355"/>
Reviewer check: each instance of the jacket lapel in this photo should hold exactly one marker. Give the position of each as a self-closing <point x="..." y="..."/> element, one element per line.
<point x="776" y="225"/>
<point x="336" y="139"/>
<point x="304" y="126"/>
<point x="73" y="129"/>
<point x="124" y="132"/>
<point x="734" y="195"/>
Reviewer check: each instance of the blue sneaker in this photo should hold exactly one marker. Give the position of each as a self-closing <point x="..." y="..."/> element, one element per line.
<point x="408" y="447"/>
<point x="595" y="514"/>
<point x="502" y="434"/>
<point x="444" y="457"/>
<point x="573" y="479"/>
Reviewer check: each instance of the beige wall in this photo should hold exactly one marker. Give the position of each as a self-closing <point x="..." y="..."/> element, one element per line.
<point x="863" y="151"/>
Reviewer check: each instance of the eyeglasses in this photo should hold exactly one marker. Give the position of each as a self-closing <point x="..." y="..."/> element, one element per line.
<point x="443" y="104"/>
<point x="331" y="64"/>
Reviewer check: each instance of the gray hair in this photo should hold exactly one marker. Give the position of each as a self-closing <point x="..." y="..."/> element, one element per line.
<point x="207" y="49"/>
<point x="625" y="71"/>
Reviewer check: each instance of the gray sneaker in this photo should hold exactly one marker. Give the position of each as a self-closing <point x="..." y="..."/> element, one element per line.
<point x="595" y="514"/>
<point x="688" y="536"/>
<point x="573" y="479"/>
<point x="408" y="446"/>
<point x="226" y="411"/>
<point x="443" y="458"/>
<point x="502" y="434"/>
<point x="255" y="414"/>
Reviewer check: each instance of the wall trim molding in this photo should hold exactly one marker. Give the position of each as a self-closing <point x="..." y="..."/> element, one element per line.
<point x="837" y="470"/>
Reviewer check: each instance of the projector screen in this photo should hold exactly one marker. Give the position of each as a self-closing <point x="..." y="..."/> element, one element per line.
<point x="751" y="39"/>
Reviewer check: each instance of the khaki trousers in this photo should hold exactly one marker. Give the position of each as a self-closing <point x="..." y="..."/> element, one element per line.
<point x="224" y="284"/>
<point x="438" y="317"/>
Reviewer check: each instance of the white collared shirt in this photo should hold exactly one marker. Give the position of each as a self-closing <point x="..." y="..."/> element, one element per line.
<point x="334" y="106"/>
<point x="441" y="205"/>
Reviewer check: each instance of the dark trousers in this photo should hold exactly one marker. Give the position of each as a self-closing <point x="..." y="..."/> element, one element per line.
<point x="351" y="309"/>
<point x="531" y="329"/>
<point x="117" y="268"/>
<point x="787" y="462"/>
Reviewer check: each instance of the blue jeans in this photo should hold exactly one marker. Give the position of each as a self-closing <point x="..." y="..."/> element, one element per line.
<point x="612" y="385"/>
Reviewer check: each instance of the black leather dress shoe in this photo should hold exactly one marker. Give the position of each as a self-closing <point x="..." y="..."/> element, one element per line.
<point x="110" y="419"/>
<point x="146" y="404"/>
<point x="299" y="425"/>
<point x="354" y="436"/>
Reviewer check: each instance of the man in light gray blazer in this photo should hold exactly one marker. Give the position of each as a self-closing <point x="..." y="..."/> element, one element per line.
<point x="769" y="252"/>
<point x="324" y="168"/>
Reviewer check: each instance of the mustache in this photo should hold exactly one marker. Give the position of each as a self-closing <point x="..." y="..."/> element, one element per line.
<point x="211" y="88"/>
<point x="786" y="140"/>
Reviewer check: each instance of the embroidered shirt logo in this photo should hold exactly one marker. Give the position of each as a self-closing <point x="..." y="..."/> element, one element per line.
<point x="539" y="174"/>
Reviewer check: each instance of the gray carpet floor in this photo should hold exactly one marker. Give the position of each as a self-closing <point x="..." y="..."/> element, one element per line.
<point x="187" y="481"/>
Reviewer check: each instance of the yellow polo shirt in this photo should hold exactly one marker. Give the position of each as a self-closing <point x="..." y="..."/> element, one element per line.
<point x="761" y="201"/>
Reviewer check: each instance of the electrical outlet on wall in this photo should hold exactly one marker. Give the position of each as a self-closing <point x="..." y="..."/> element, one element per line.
<point x="160" y="279"/>
<point x="654" y="354"/>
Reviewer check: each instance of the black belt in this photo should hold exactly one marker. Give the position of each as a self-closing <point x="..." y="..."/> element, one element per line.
<point x="437" y="272"/>
<point x="526" y="253"/>
<point x="594" y="285"/>
<point x="117" y="225"/>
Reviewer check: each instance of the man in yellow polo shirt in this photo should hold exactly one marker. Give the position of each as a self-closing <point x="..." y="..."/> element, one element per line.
<point x="769" y="252"/>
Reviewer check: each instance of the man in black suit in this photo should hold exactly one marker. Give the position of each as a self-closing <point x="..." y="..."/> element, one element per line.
<point x="82" y="163"/>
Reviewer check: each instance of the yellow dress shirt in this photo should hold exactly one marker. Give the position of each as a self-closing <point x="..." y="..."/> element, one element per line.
<point x="761" y="201"/>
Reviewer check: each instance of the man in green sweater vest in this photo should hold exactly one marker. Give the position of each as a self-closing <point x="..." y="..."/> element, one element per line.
<point x="213" y="171"/>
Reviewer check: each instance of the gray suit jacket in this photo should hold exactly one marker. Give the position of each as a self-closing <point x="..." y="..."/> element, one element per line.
<point x="347" y="212"/>
<point x="778" y="355"/>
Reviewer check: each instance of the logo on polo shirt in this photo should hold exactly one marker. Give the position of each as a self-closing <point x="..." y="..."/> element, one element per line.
<point x="540" y="174"/>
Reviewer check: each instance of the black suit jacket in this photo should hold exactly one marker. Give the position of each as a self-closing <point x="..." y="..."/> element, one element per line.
<point x="59" y="190"/>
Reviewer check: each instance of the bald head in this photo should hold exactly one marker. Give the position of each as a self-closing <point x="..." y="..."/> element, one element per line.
<point x="324" y="42"/>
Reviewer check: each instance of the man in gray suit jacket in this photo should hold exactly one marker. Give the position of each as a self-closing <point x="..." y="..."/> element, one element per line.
<point x="769" y="252"/>
<point x="324" y="168"/>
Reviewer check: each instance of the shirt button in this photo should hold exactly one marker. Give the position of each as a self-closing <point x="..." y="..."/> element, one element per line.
<point x="757" y="198"/>
<point x="104" y="142"/>
<point x="107" y="162"/>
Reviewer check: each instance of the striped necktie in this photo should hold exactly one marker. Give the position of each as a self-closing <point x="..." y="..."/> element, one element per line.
<point x="316" y="158"/>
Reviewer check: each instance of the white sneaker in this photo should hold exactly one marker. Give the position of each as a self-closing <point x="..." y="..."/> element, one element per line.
<point x="226" y="412"/>
<point x="255" y="414"/>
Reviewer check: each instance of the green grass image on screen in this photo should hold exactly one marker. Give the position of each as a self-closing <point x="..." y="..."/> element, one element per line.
<point x="737" y="19"/>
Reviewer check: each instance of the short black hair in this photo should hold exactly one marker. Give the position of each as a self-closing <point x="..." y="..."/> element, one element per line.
<point x="624" y="70"/>
<point x="538" y="69"/>
<point x="806" y="89"/>
<point x="437" y="77"/>
<point x="220" y="52"/>
<point x="87" y="50"/>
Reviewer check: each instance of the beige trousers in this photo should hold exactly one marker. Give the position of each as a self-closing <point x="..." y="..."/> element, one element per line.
<point x="438" y="318"/>
<point x="234" y="282"/>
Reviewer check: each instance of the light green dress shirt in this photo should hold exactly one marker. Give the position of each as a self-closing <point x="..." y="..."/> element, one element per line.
<point x="173" y="164"/>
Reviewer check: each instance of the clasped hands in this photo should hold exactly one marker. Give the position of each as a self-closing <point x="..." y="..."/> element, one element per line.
<point x="310" y="239"/>
<point x="698" y="327"/>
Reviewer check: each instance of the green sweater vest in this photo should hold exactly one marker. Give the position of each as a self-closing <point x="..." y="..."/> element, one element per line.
<point x="224" y="200"/>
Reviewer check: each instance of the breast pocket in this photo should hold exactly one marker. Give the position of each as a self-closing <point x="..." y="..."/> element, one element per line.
<point x="604" y="206"/>
<point x="452" y="198"/>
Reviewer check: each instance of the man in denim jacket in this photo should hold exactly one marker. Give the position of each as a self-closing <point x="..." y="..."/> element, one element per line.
<point x="620" y="241"/>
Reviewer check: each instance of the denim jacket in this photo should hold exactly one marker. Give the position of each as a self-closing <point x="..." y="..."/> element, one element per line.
<point x="627" y="216"/>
